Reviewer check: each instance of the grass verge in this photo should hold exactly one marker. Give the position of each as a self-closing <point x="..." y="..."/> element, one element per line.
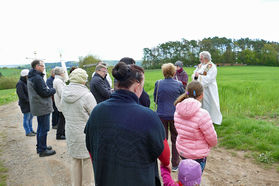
<point x="3" y="169"/>
<point x="8" y="96"/>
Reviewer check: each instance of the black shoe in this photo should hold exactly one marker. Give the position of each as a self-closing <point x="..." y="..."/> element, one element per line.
<point x="48" y="148"/>
<point x="47" y="153"/>
<point x="30" y="134"/>
<point x="34" y="132"/>
<point x="174" y="169"/>
<point x="54" y="127"/>
<point x="62" y="137"/>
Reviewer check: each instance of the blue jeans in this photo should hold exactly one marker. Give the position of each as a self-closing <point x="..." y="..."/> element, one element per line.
<point x="27" y="122"/>
<point x="43" y="128"/>
<point x="202" y="162"/>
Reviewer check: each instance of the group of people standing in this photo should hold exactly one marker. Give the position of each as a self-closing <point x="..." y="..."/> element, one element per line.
<point x="117" y="130"/>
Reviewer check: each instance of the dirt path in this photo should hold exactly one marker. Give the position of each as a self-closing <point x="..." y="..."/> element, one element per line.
<point x="26" y="168"/>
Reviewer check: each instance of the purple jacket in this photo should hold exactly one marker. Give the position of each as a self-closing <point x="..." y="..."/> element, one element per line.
<point x="181" y="76"/>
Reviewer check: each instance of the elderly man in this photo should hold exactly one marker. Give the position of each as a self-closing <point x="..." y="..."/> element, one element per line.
<point x="206" y="73"/>
<point x="99" y="86"/>
<point x="40" y="105"/>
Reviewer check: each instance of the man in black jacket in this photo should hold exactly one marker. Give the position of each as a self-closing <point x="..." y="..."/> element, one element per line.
<point x="54" y="115"/>
<point x="99" y="86"/>
<point x="40" y="105"/>
<point x="23" y="102"/>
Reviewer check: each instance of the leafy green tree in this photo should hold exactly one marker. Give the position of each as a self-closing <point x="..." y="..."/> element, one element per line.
<point x="88" y="63"/>
<point x="223" y="50"/>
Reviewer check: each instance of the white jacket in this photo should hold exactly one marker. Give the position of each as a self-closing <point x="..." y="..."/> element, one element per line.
<point x="58" y="84"/>
<point x="77" y="103"/>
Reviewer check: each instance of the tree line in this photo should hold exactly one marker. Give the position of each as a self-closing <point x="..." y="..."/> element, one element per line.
<point x="223" y="51"/>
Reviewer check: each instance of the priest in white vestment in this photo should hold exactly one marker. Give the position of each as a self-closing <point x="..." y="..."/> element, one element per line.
<point x="206" y="73"/>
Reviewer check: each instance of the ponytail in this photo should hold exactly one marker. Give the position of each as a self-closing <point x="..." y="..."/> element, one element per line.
<point x="181" y="98"/>
<point x="193" y="90"/>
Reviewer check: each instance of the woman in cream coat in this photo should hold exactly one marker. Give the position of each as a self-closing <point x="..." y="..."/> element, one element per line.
<point x="77" y="103"/>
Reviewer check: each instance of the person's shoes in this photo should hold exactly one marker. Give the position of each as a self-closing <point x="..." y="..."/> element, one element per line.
<point x="48" y="148"/>
<point x="34" y="132"/>
<point x="54" y="127"/>
<point x="30" y="134"/>
<point x="47" y="153"/>
<point x="62" y="137"/>
<point x="174" y="169"/>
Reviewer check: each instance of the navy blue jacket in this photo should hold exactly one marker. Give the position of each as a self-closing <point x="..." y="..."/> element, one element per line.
<point x="49" y="82"/>
<point x="169" y="90"/>
<point x="22" y="93"/>
<point x="100" y="88"/>
<point x="144" y="99"/>
<point x="124" y="139"/>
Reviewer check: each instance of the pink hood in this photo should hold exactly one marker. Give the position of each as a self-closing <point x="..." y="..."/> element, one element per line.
<point x="188" y="107"/>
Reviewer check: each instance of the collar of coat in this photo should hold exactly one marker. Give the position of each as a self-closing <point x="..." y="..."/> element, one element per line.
<point x="125" y="96"/>
<point x="96" y="74"/>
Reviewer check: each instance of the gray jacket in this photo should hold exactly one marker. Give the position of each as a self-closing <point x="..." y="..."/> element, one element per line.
<point x="39" y="94"/>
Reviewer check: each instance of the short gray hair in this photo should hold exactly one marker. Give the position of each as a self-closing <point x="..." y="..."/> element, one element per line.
<point x="99" y="67"/>
<point x="59" y="70"/>
<point x="206" y="55"/>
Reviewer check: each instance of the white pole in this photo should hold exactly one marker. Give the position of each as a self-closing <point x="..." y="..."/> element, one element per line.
<point x="63" y="65"/>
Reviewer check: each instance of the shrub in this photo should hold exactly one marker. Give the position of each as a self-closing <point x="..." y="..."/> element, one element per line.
<point x="8" y="82"/>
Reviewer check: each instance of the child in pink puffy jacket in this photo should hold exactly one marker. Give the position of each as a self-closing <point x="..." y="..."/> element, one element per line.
<point x="196" y="133"/>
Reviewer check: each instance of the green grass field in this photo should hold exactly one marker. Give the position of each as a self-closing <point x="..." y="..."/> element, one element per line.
<point x="8" y="96"/>
<point x="250" y="108"/>
<point x="10" y="72"/>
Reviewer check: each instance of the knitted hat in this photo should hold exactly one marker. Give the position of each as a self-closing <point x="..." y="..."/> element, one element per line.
<point x="189" y="172"/>
<point x="78" y="76"/>
<point x="179" y="63"/>
<point x="24" y="72"/>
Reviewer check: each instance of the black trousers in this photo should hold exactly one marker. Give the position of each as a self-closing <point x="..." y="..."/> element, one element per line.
<point x="54" y="115"/>
<point x="61" y="125"/>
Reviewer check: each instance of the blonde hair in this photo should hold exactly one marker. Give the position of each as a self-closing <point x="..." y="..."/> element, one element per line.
<point x="168" y="70"/>
<point x="193" y="90"/>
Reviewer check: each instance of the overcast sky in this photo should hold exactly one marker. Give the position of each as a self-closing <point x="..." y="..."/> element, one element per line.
<point x="112" y="29"/>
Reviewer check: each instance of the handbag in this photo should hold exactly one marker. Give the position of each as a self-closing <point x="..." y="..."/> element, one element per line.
<point x="156" y="99"/>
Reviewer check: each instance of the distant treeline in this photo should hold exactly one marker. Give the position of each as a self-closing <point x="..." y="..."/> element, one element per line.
<point x="223" y="51"/>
